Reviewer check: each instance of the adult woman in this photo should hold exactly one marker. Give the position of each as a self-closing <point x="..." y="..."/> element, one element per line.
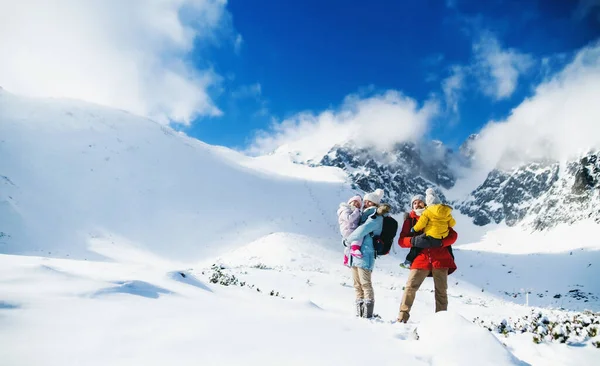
<point x="371" y="224"/>
<point x="436" y="262"/>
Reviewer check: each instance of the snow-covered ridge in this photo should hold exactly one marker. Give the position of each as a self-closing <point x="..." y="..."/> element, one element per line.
<point x="537" y="194"/>
<point x="72" y="172"/>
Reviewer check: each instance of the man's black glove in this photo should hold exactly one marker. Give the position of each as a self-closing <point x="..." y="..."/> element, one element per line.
<point x="424" y="241"/>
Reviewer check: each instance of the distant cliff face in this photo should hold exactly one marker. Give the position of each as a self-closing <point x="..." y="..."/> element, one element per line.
<point x="404" y="171"/>
<point x="538" y="194"/>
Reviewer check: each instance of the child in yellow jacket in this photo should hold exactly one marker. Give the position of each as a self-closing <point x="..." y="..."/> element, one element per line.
<point x="436" y="219"/>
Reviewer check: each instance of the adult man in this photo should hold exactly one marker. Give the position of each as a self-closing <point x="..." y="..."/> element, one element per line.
<point x="436" y="262"/>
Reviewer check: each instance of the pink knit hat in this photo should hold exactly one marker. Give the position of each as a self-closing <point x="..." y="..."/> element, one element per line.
<point x="355" y="198"/>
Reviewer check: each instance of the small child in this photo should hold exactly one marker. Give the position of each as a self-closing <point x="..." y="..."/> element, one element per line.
<point x="349" y="214"/>
<point x="435" y="222"/>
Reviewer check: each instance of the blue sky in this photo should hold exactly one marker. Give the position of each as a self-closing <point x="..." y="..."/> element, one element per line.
<point x="307" y="74"/>
<point x="309" y="55"/>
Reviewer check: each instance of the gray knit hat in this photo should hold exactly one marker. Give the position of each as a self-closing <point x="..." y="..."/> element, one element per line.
<point x="416" y="197"/>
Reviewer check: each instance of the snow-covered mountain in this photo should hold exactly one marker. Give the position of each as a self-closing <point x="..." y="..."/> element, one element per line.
<point x="466" y="149"/>
<point x="404" y="171"/>
<point x="538" y="194"/>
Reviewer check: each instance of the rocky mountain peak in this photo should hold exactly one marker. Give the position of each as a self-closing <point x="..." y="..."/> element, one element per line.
<point x="403" y="171"/>
<point x="539" y="194"/>
<point x="466" y="149"/>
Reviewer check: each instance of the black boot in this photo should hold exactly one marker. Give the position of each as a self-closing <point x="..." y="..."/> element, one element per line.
<point x="359" y="308"/>
<point x="368" y="307"/>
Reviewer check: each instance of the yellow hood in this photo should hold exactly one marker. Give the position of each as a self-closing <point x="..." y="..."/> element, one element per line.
<point x="440" y="211"/>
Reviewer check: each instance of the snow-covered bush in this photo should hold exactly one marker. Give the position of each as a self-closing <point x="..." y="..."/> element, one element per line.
<point x="218" y="275"/>
<point x="553" y="327"/>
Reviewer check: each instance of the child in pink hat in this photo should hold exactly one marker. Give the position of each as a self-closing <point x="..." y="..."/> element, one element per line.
<point x="349" y="214"/>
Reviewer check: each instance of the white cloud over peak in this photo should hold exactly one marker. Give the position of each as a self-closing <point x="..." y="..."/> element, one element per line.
<point x="124" y="54"/>
<point x="495" y="72"/>
<point x="498" y="69"/>
<point x="452" y="87"/>
<point x="560" y="121"/>
<point x="380" y="120"/>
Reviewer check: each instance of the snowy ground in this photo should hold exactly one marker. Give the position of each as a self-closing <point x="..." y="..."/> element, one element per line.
<point x="153" y="312"/>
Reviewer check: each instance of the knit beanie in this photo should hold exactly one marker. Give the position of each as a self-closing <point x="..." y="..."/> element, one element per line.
<point x="374" y="197"/>
<point x="416" y="197"/>
<point x="431" y="198"/>
<point x="355" y="198"/>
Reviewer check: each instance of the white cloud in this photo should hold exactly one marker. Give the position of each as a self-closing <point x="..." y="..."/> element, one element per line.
<point x="560" y="121"/>
<point x="549" y="65"/>
<point x="253" y="91"/>
<point x="433" y="62"/>
<point x="237" y="44"/>
<point x="497" y="69"/>
<point x="452" y="87"/>
<point x="248" y="91"/>
<point x="381" y="120"/>
<point x="124" y="54"/>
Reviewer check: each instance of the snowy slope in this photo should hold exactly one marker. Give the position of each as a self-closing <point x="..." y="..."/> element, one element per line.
<point x="144" y="316"/>
<point x="71" y="172"/>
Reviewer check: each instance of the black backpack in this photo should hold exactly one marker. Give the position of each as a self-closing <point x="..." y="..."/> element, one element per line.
<point x="383" y="243"/>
